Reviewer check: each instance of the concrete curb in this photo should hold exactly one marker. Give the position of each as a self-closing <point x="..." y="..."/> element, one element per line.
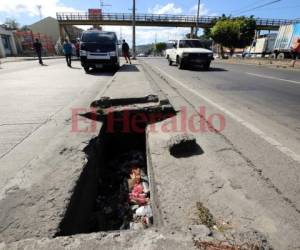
<point x="276" y="64"/>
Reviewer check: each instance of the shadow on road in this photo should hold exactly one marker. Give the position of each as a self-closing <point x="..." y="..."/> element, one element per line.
<point x="210" y="69"/>
<point x="200" y="68"/>
<point x="129" y="68"/>
<point x="102" y="72"/>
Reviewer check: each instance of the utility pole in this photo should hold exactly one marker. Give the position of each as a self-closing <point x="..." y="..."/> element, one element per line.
<point x="133" y="31"/>
<point x="40" y="11"/>
<point x="197" y="22"/>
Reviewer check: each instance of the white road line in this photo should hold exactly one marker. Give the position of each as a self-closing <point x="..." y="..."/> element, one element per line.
<point x="273" y="78"/>
<point x="270" y="140"/>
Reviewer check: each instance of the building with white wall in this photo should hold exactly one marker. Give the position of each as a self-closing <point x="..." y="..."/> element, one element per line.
<point x="7" y="43"/>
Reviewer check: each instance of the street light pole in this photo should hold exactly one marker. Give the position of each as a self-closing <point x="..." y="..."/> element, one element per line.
<point x="197" y="22"/>
<point x="133" y="30"/>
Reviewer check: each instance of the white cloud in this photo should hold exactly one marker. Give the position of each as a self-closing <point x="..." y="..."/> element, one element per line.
<point x="169" y="8"/>
<point x="16" y="8"/>
<point x="147" y="35"/>
<point x="203" y="11"/>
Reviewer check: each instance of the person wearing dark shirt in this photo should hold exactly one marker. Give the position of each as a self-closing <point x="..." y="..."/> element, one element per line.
<point x="125" y="51"/>
<point x="38" y="49"/>
<point x="68" y="52"/>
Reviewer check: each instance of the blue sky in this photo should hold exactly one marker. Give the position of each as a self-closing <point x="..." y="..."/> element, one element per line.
<point x="26" y="11"/>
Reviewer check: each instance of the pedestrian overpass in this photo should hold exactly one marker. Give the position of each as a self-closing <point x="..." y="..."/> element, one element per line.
<point x="125" y="19"/>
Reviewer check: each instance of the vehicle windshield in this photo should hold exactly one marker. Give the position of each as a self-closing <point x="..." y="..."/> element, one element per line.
<point x="191" y="44"/>
<point x="103" y="38"/>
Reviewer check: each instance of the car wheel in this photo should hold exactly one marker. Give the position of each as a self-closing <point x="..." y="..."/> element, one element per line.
<point x="180" y="64"/>
<point x="170" y="62"/>
<point x="86" y="69"/>
<point x="281" y="56"/>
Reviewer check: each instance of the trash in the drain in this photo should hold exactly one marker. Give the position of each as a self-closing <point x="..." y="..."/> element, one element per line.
<point x="128" y="204"/>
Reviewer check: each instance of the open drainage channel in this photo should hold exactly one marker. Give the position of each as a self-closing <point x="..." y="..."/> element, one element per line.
<point x="113" y="191"/>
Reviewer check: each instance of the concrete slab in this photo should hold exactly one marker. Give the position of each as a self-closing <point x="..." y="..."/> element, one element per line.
<point x="130" y="82"/>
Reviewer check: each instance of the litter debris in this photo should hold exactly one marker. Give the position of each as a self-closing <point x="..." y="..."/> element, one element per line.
<point x="124" y="198"/>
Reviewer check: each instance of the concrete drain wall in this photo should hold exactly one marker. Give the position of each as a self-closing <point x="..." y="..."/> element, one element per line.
<point x="113" y="191"/>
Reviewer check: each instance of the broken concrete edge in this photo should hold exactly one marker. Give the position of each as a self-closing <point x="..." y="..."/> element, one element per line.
<point x="190" y="237"/>
<point x="106" y="102"/>
<point x="157" y="215"/>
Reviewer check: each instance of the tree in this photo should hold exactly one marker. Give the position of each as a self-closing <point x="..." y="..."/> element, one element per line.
<point x="25" y="28"/>
<point x="11" y="24"/>
<point x="159" y="47"/>
<point x="234" y="32"/>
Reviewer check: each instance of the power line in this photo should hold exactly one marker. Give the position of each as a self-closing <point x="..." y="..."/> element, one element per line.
<point x="249" y="5"/>
<point x="282" y="7"/>
<point x="260" y="6"/>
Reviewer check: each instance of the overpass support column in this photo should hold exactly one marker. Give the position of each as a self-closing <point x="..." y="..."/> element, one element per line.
<point x="192" y="32"/>
<point x="62" y="32"/>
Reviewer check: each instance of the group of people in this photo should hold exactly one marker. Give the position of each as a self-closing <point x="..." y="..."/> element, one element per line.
<point x="68" y="49"/>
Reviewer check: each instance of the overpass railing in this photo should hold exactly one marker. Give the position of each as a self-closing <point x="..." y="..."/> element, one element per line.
<point x="155" y="18"/>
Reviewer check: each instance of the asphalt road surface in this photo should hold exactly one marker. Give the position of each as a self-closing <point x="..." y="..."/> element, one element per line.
<point x="267" y="98"/>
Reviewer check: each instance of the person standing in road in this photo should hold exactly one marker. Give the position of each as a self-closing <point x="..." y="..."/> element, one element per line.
<point x="125" y="51"/>
<point x="77" y="46"/>
<point x="68" y="52"/>
<point x="38" y="49"/>
<point x="296" y="52"/>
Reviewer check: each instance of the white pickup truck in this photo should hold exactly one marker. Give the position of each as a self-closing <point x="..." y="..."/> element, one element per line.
<point x="189" y="52"/>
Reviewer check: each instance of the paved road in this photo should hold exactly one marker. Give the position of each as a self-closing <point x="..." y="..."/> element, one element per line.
<point x="268" y="98"/>
<point x="31" y="95"/>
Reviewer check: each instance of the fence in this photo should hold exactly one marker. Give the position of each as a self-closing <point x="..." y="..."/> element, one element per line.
<point x="159" y="20"/>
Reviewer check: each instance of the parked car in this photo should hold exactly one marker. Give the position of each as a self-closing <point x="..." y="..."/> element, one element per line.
<point x="190" y="52"/>
<point x="99" y="49"/>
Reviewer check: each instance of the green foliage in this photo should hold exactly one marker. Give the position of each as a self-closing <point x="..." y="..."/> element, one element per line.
<point x="234" y="32"/>
<point x="159" y="47"/>
<point x="25" y="28"/>
<point x="11" y="24"/>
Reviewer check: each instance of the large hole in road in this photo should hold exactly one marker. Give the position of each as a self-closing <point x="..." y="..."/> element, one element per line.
<point x="113" y="191"/>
